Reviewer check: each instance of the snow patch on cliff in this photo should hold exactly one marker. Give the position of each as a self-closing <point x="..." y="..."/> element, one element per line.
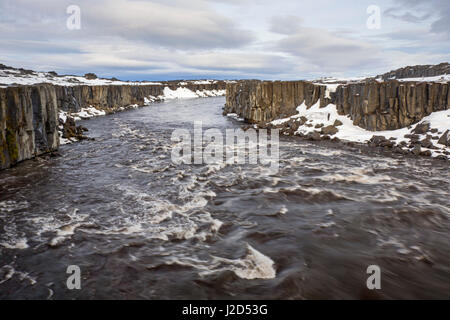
<point x="327" y="116"/>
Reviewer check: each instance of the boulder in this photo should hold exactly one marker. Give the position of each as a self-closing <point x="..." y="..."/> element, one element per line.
<point x="329" y="130"/>
<point x="338" y="123"/>
<point x="422" y="128"/>
<point x="445" y="139"/>
<point x="90" y="76"/>
<point x="314" y="136"/>
<point x="416" y="150"/>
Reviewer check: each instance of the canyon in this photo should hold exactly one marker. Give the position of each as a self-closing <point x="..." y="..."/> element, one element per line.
<point x="29" y="114"/>
<point x="31" y="103"/>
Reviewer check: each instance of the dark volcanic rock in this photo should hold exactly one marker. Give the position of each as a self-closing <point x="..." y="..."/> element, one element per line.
<point x="315" y="136"/>
<point x="422" y="128"/>
<point x="330" y="130"/>
<point x="90" y="76"/>
<point x="417" y="71"/>
<point x="372" y="105"/>
<point x="416" y="150"/>
<point x="445" y="139"/>
<point x="338" y="123"/>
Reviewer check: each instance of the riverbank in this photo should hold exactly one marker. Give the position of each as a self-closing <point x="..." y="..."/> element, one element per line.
<point x="406" y="117"/>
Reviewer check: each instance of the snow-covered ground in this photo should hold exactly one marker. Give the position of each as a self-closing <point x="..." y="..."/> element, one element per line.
<point x="10" y="77"/>
<point x="348" y="131"/>
<point x="339" y="81"/>
<point x="443" y="78"/>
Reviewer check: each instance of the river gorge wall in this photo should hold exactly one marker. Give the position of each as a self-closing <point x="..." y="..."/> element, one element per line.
<point x="29" y="114"/>
<point x="371" y="104"/>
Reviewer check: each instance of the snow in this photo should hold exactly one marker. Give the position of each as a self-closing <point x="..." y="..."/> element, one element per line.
<point x="185" y="93"/>
<point x="11" y="77"/>
<point x="179" y="93"/>
<point x="348" y="131"/>
<point x="331" y="88"/>
<point x="235" y="117"/>
<point x="442" y="78"/>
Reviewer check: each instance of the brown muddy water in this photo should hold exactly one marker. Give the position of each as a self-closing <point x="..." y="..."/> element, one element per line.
<point x="140" y="227"/>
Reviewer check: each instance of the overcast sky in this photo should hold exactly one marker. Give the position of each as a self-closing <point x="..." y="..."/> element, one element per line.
<point x="226" y="39"/>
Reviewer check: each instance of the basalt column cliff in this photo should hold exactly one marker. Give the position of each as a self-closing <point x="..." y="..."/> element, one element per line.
<point x="371" y="104"/>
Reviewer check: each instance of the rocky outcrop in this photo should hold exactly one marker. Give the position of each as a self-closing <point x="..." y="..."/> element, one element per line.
<point x="390" y="105"/>
<point x="28" y="123"/>
<point x="113" y="97"/>
<point x="371" y="105"/>
<point x="417" y="72"/>
<point x="263" y="101"/>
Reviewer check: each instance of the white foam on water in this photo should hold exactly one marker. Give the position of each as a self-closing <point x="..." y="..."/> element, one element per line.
<point x="157" y="218"/>
<point x="7" y="272"/>
<point x="254" y="265"/>
<point x="12" y="237"/>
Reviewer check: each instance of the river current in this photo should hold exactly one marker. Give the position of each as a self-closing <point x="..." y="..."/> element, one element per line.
<point x="140" y="227"/>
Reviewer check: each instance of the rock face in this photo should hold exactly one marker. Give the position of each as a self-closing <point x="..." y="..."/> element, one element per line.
<point x="263" y="101"/>
<point x="371" y="105"/>
<point x="28" y="123"/>
<point x="417" y="72"/>
<point x="113" y="97"/>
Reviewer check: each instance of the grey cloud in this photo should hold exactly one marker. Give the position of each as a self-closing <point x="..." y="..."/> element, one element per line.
<point x="285" y="24"/>
<point x="327" y="51"/>
<point x="416" y="11"/>
<point x="175" y="24"/>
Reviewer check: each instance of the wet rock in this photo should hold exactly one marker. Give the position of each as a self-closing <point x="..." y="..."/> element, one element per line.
<point x="329" y="130"/>
<point x="336" y="139"/>
<point x="314" y="136"/>
<point x="416" y="150"/>
<point x="445" y="139"/>
<point x="72" y="131"/>
<point x="426" y="153"/>
<point x="399" y="150"/>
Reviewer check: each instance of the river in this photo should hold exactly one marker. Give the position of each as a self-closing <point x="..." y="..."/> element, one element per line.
<point x="140" y="227"/>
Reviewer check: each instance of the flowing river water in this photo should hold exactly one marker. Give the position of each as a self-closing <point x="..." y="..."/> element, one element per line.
<point x="141" y="227"/>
